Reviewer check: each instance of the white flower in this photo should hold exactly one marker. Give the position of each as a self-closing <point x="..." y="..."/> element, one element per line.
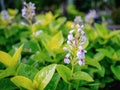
<point x="76" y="39"/>
<point x="68" y="42"/>
<point x="28" y="11"/>
<point x="78" y="20"/>
<point x="38" y="22"/>
<point x="65" y="48"/>
<point x="71" y="31"/>
<point x="5" y="15"/>
<point x="70" y="37"/>
<point x="89" y="18"/>
<point x="66" y="60"/>
<point x="81" y="54"/>
<point x="80" y="47"/>
<point x="81" y="62"/>
<point x="38" y="33"/>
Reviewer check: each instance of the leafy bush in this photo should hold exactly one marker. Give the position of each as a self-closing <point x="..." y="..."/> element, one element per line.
<point x="35" y="55"/>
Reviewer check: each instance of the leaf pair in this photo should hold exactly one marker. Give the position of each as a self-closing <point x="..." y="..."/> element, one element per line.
<point x="40" y="81"/>
<point x="9" y="61"/>
<point x="53" y="44"/>
<point x="104" y="33"/>
<point x="67" y="75"/>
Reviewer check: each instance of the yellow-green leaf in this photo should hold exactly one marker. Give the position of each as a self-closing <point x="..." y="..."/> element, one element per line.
<point x="64" y="72"/>
<point x="80" y="75"/>
<point x="56" y="42"/>
<point x="35" y="85"/>
<point x="12" y="11"/>
<point x="5" y="59"/>
<point x="44" y="76"/>
<point x="16" y="56"/>
<point x="113" y="33"/>
<point x="22" y="81"/>
<point x="10" y="71"/>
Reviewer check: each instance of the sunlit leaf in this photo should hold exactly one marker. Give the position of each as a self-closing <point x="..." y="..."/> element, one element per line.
<point x="56" y="42"/>
<point x="16" y="56"/>
<point x="22" y="81"/>
<point x="12" y="11"/>
<point x="44" y="76"/>
<point x="108" y="51"/>
<point x="80" y="75"/>
<point x="113" y="33"/>
<point x="64" y="72"/>
<point x="5" y="59"/>
<point x="102" y="31"/>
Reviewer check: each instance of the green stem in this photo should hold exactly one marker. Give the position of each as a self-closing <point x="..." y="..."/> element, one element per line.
<point x="77" y="87"/>
<point x="72" y="71"/>
<point x="38" y="45"/>
<point x="69" y="88"/>
<point x="31" y="25"/>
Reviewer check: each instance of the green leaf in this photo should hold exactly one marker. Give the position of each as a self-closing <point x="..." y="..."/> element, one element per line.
<point x="98" y="56"/>
<point x="8" y="72"/>
<point x="64" y="72"/>
<point x="27" y="71"/>
<point x="12" y="12"/>
<point x="44" y="76"/>
<point x="92" y="62"/>
<point x="92" y="35"/>
<point x="5" y="59"/>
<point x="10" y="31"/>
<point x="80" y="75"/>
<point x="42" y="56"/>
<point x="102" y="31"/>
<point x="102" y="71"/>
<point x="60" y="22"/>
<point x="56" y="43"/>
<point x="30" y="47"/>
<point x="16" y="56"/>
<point x="22" y="81"/>
<point x="108" y="51"/>
<point x="53" y="44"/>
<point x="116" y="71"/>
<point x="113" y="33"/>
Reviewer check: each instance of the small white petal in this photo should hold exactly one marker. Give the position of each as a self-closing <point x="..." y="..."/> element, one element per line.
<point x="80" y="47"/>
<point x="67" y="55"/>
<point x="65" y="48"/>
<point x="38" y="33"/>
<point x="70" y="36"/>
<point x="71" y="31"/>
<point x="66" y="60"/>
<point x="81" y="62"/>
<point x="68" y="42"/>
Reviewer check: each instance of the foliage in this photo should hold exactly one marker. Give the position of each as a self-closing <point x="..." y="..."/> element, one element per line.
<point x="41" y="66"/>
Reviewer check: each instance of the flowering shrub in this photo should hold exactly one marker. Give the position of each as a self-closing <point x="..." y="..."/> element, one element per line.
<point x="75" y="42"/>
<point x="54" y="54"/>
